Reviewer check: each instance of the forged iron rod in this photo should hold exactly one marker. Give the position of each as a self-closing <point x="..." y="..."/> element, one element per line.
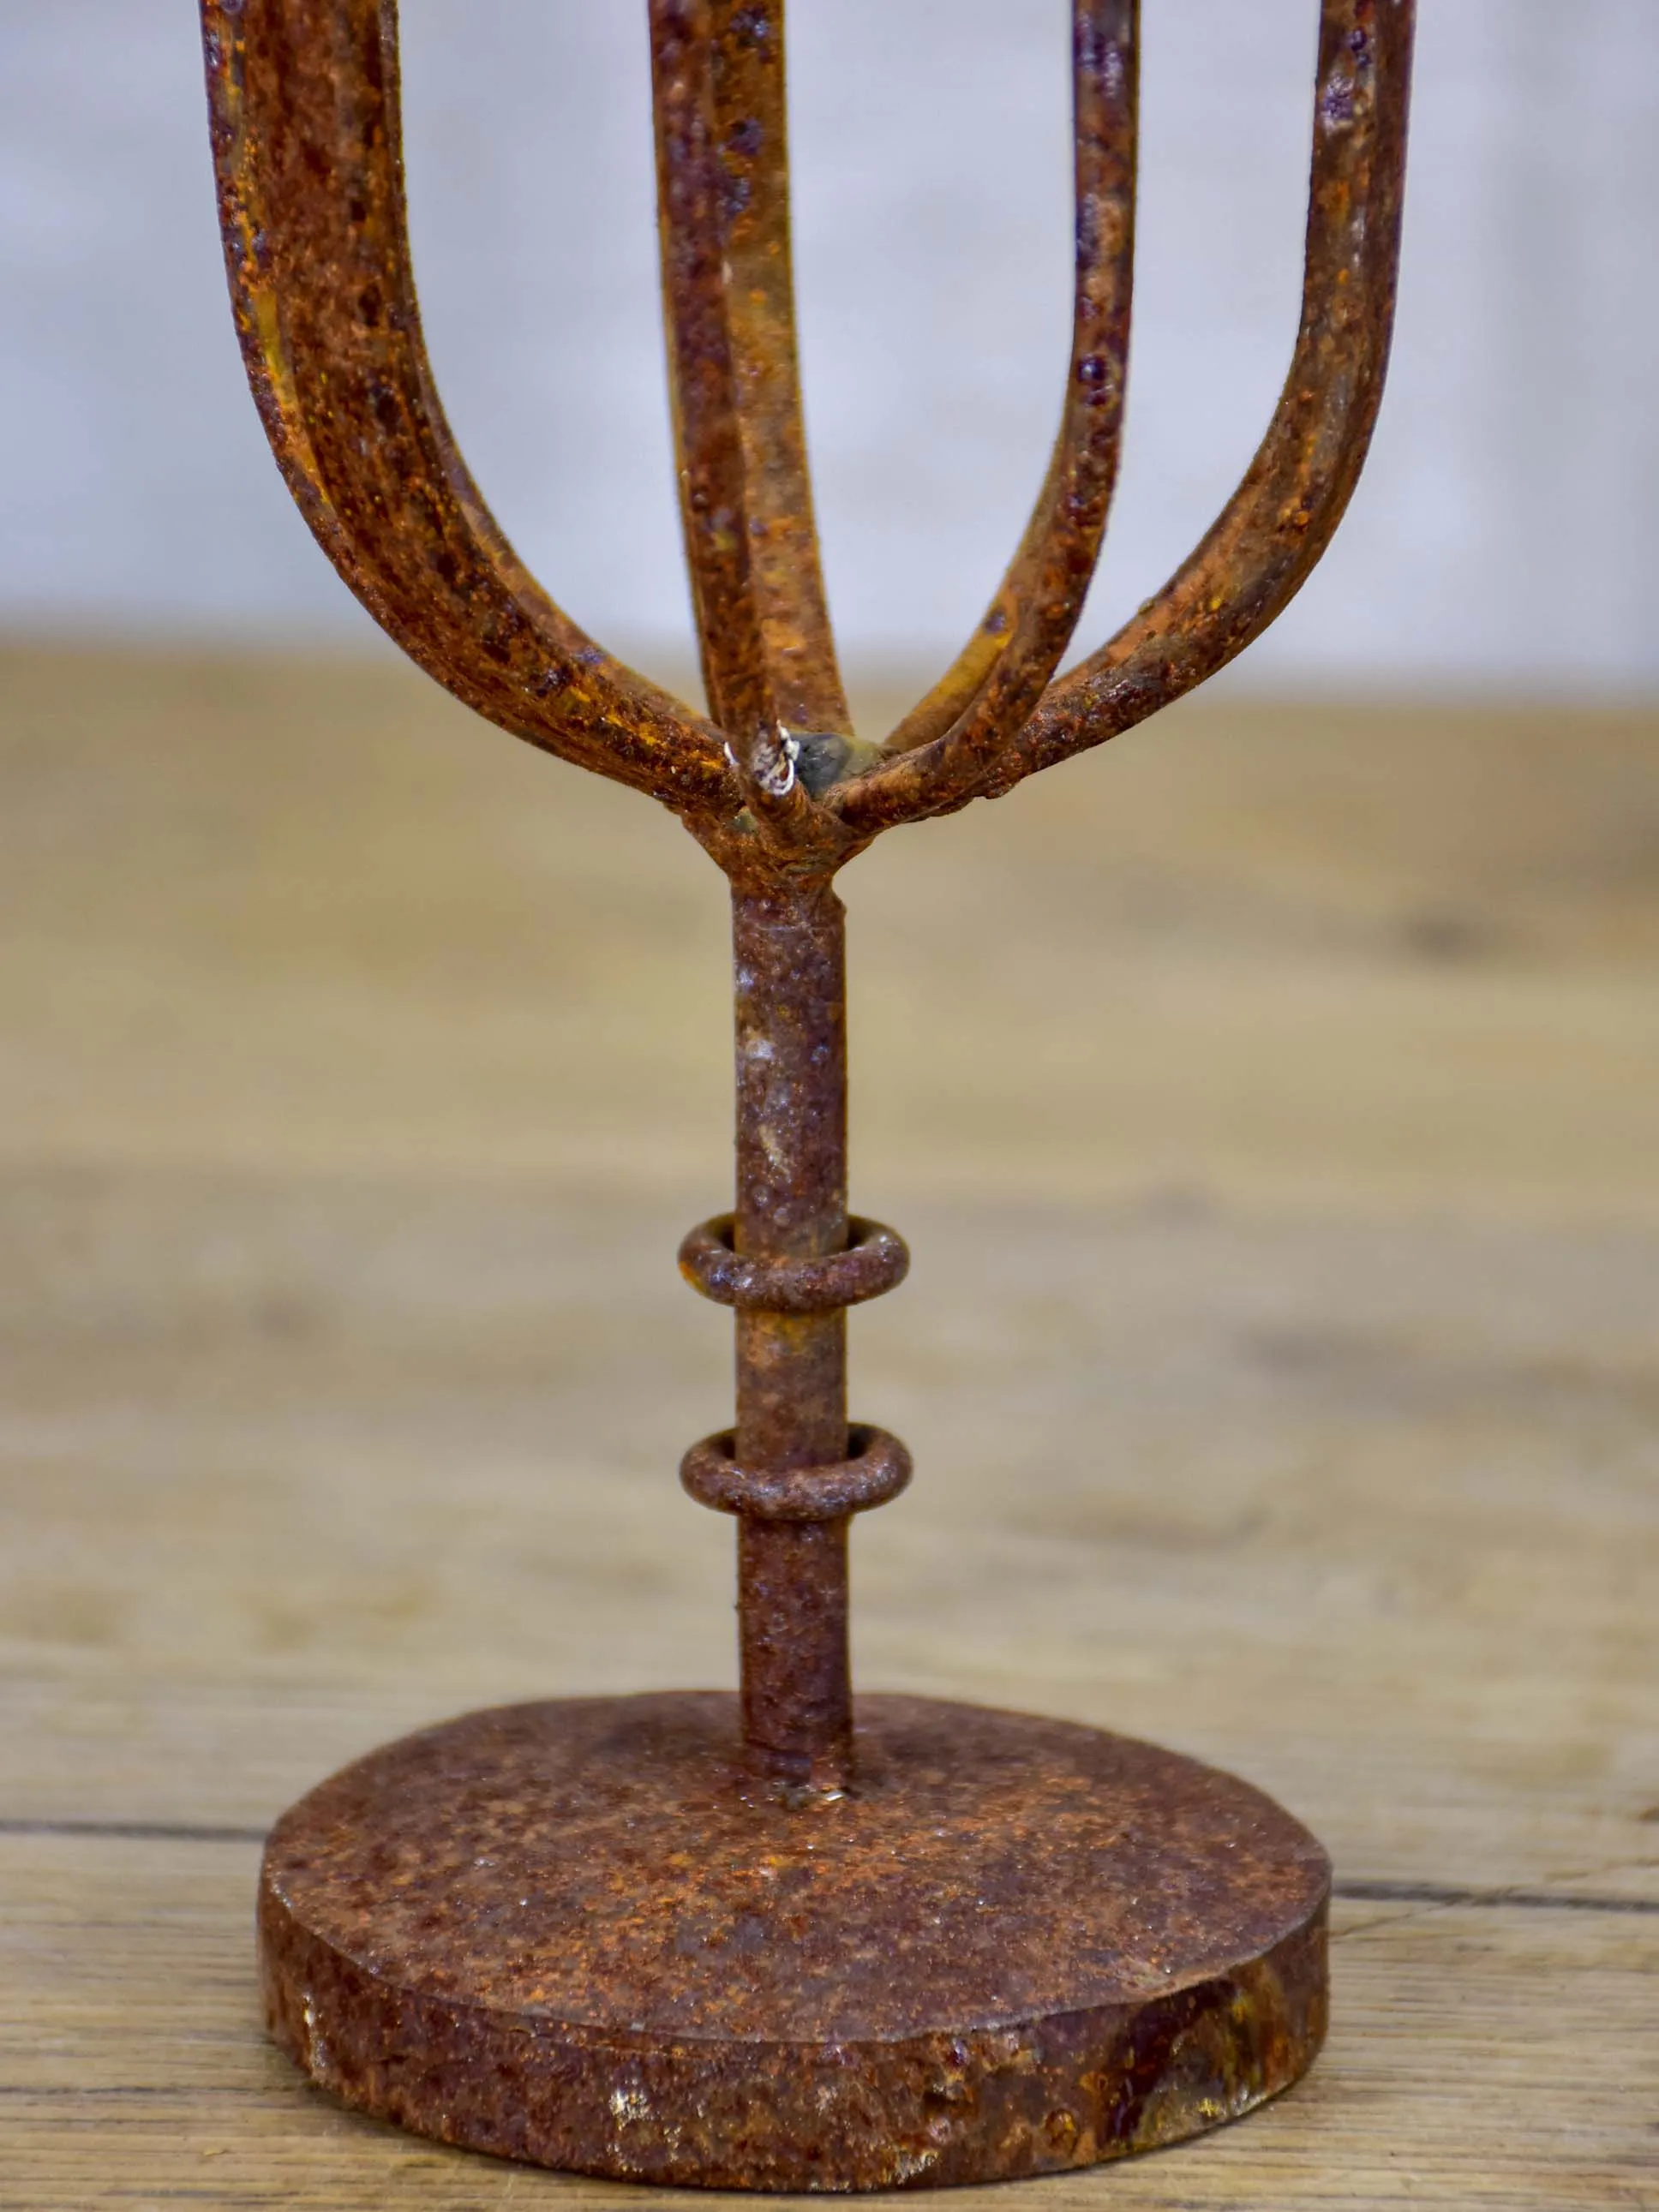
<point x="773" y="781"/>
<point x="789" y="958"/>
<point x="1005" y="666"/>
<point x="723" y="200"/>
<point x="1268" y="539"/>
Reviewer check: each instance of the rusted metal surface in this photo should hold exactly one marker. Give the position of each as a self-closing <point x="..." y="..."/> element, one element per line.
<point x="777" y="788"/>
<point x="874" y="1260"/>
<point x="1020" y="1946"/>
<point x="789" y="966"/>
<point x="876" y="1468"/>
<point x="1269" y="537"/>
<point x="304" y="97"/>
<point x="723" y="195"/>
<point x="306" y="143"/>
<point x="1003" y="671"/>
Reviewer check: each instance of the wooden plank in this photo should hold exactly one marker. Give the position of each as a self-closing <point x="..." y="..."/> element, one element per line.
<point x="328" y="1460"/>
<point x="356" y="1096"/>
<point x="272" y="913"/>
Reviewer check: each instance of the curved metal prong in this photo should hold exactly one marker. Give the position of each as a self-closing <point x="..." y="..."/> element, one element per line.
<point x="1001" y="673"/>
<point x="308" y="149"/>
<point x="1271" y="534"/>
<point x="745" y="495"/>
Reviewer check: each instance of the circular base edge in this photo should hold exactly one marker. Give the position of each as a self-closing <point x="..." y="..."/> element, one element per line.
<point x="952" y="2105"/>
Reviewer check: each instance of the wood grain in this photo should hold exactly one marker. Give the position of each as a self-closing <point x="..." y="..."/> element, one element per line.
<point x="1270" y="1108"/>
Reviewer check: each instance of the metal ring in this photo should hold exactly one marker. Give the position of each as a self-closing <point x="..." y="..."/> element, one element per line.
<point x="879" y="1470"/>
<point x="876" y="1259"/>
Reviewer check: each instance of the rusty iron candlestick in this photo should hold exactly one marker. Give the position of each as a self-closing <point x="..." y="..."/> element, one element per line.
<point x="673" y="1938"/>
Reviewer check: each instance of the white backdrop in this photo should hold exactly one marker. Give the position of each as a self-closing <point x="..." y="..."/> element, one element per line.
<point x="1507" y="532"/>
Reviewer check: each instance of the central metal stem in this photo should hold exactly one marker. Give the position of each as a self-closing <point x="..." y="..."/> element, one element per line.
<point x="788" y="949"/>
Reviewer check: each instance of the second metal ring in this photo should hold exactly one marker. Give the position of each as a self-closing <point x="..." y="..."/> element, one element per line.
<point x="876" y="1259"/>
<point x="878" y="1469"/>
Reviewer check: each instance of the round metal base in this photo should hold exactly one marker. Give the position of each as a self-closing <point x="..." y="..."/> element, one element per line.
<point x="582" y="1934"/>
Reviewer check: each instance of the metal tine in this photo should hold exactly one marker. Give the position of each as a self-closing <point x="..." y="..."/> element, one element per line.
<point x="745" y="495"/>
<point x="1268" y="539"/>
<point x="1001" y="673"/>
<point x="304" y="100"/>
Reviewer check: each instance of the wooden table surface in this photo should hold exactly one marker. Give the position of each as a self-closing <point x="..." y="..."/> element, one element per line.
<point x="1270" y="1105"/>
